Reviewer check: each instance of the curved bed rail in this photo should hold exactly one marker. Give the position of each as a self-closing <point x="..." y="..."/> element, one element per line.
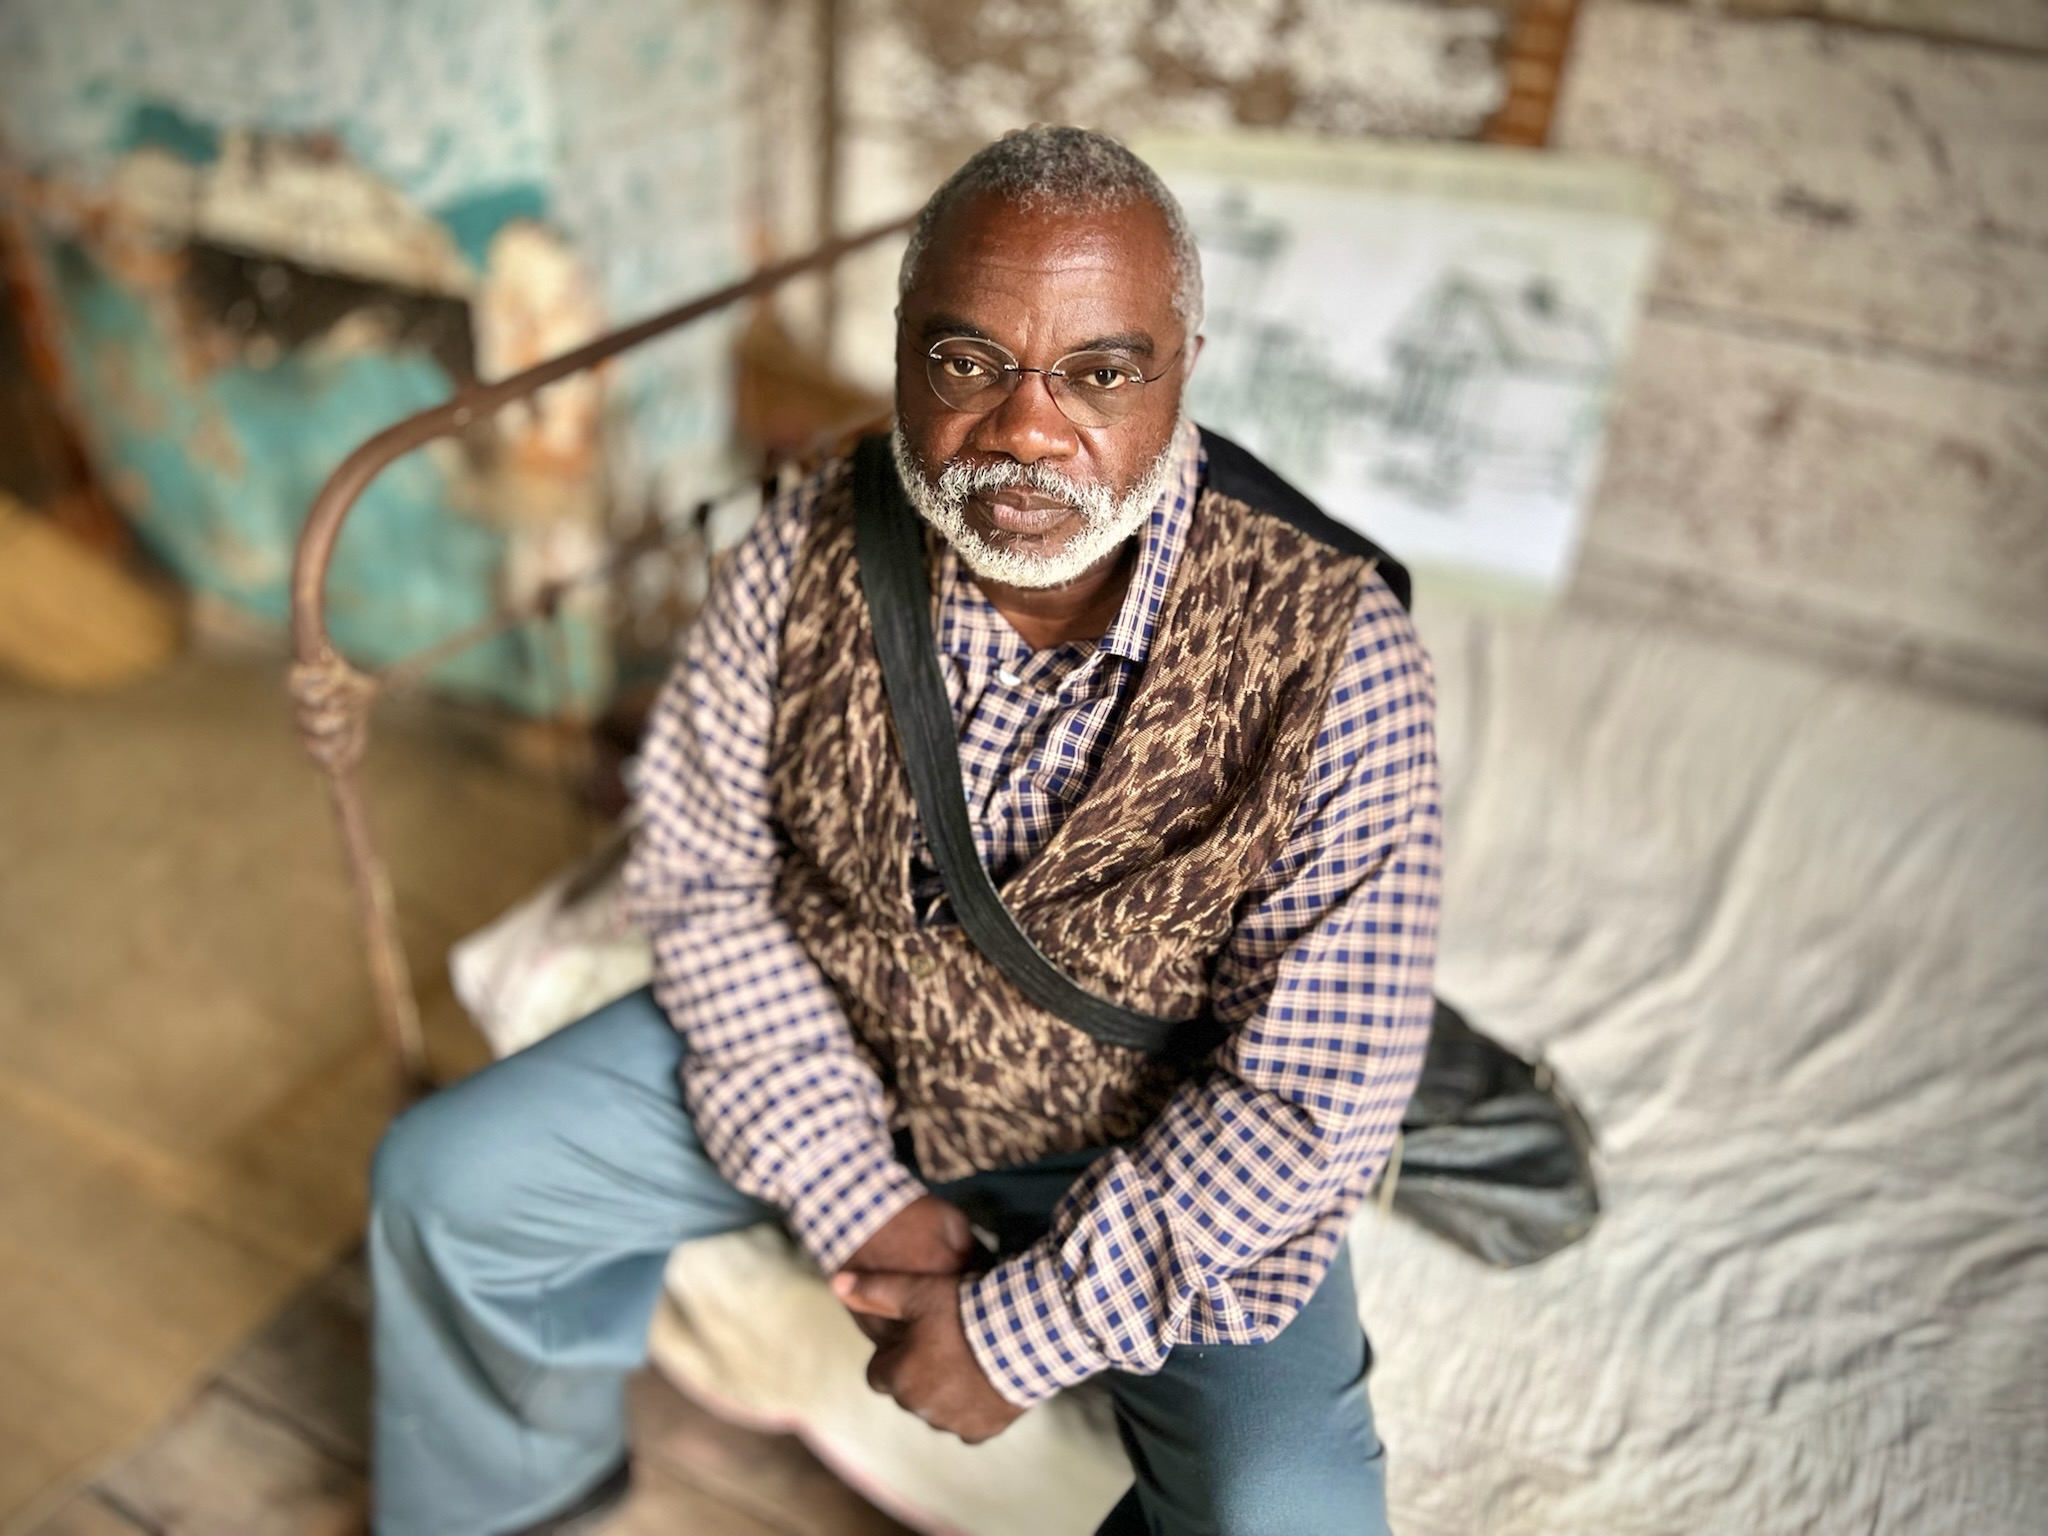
<point x="332" y="696"/>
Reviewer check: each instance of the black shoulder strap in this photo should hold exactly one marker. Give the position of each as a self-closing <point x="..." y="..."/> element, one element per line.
<point x="889" y="546"/>
<point x="1235" y="473"/>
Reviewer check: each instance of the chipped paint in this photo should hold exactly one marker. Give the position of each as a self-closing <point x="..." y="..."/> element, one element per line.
<point x="217" y="442"/>
<point x="300" y="198"/>
<point x="1838" y="411"/>
<point x="305" y="198"/>
<point x="156" y="125"/>
<point x="952" y="76"/>
<point x="472" y="222"/>
<point x="536" y="302"/>
<point x="555" y="164"/>
<point x="619" y="123"/>
<point x="217" y="478"/>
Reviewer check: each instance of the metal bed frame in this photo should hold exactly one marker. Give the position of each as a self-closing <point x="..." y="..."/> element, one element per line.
<point x="332" y="696"/>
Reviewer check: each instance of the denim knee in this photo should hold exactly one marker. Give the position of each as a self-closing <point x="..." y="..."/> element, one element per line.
<point x="436" y="1162"/>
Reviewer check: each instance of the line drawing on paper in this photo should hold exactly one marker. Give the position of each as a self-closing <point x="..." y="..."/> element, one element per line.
<point x="1490" y="380"/>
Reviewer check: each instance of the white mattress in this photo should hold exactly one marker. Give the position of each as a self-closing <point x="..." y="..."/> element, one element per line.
<point x="1785" y="933"/>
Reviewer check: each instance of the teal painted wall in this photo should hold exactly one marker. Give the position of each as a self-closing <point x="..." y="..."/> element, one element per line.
<point x="614" y="121"/>
<point x="217" y="472"/>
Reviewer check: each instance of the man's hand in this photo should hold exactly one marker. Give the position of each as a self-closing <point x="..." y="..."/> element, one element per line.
<point x="927" y="1237"/>
<point x="924" y="1362"/>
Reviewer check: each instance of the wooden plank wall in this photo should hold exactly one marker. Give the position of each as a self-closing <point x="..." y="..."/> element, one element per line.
<point x="1834" y="428"/>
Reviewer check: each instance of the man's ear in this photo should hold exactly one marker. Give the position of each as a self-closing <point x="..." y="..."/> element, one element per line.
<point x="1194" y="355"/>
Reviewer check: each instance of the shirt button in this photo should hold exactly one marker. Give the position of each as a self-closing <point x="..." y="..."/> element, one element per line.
<point x="921" y="966"/>
<point x="1008" y="678"/>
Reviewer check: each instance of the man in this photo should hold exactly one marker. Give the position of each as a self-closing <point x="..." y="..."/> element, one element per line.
<point x="1198" y="754"/>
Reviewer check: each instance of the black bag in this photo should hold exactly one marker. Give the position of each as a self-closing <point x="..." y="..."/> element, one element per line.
<point x="1493" y="1156"/>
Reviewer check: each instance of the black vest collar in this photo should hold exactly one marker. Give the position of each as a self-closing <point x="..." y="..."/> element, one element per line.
<point x="1235" y="473"/>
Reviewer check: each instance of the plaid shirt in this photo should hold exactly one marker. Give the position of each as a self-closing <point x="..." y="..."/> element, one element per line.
<point x="1218" y="1222"/>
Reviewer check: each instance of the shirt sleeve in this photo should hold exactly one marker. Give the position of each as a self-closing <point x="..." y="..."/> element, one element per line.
<point x="1217" y="1224"/>
<point x="786" y="1108"/>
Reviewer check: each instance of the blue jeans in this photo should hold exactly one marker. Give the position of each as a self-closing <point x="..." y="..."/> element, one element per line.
<point x="520" y="1224"/>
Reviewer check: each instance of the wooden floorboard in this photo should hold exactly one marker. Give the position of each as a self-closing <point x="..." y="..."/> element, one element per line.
<point x="224" y="1468"/>
<point x="311" y="1367"/>
<point x="665" y="1504"/>
<point x="190" y="1077"/>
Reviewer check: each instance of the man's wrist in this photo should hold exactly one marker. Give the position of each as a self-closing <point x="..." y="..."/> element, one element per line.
<point x="1023" y="1329"/>
<point x="844" y="1198"/>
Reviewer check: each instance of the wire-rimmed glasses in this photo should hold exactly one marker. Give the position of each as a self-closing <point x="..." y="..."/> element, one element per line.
<point x="1091" y="389"/>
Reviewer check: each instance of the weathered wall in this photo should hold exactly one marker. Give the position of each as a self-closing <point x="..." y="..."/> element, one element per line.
<point x="546" y="167"/>
<point x="652" y="182"/>
<point x="1835" y="425"/>
<point x="446" y="100"/>
<point x="1833" y="429"/>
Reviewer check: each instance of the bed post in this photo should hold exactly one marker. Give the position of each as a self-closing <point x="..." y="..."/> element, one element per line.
<point x="332" y="698"/>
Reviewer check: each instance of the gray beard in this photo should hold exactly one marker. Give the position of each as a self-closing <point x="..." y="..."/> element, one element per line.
<point x="1106" y="520"/>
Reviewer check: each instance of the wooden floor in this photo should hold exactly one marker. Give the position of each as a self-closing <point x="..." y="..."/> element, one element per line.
<point x="190" y="1089"/>
<point x="190" y="1079"/>
<point x="276" y="1445"/>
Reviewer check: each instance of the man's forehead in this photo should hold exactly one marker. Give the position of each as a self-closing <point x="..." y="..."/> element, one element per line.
<point x="1111" y="267"/>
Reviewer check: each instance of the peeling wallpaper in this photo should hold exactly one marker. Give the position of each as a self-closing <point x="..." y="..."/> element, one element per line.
<point x="408" y="143"/>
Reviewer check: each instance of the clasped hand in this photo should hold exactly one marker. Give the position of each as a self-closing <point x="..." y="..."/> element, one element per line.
<point x="903" y="1287"/>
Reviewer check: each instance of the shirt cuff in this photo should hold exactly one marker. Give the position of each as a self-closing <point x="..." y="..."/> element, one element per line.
<point x="840" y="1199"/>
<point x="1023" y="1329"/>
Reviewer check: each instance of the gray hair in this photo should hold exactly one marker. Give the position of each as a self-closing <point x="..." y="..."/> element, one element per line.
<point x="1047" y="166"/>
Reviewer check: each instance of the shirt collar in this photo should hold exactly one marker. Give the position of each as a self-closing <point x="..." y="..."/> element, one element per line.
<point x="1166" y="530"/>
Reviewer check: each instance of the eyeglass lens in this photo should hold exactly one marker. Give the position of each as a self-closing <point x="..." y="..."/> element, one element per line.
<point x="1091" y="389"/>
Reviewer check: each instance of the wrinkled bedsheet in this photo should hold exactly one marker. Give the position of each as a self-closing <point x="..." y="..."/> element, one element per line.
<point x="1784" y="932"/>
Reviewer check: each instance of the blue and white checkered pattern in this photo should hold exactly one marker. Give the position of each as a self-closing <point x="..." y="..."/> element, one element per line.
<point x="1214" y="1226"/>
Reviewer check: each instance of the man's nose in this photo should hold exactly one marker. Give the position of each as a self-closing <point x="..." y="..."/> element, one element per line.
<point x="1027" y="426"/>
